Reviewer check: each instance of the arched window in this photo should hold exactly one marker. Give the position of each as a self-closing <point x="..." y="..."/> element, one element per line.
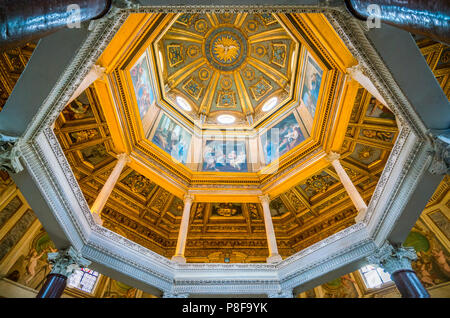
<point x="83" y="279"/>
<point x="374" y="276"/>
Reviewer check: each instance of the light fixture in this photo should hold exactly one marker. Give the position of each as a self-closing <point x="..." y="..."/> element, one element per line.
<point x="270" y="104"/>
<point x="183" y="104"/>
<point x="226" y="119"/>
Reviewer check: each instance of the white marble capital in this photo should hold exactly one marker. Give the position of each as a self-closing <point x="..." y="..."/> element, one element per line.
<point x="393" y="259"/>
<point x="358" y="73"/>
<point x="66" y="262"/>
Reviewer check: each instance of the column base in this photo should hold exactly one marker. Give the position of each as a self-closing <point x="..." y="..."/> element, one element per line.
<point x="97" y="219"/>
<point x="179" y="259"/>
<point x="360" y="216"/>
<point x="274" y="258"/>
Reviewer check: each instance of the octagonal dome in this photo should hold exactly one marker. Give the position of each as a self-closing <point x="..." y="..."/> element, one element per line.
<point x="227" y="63"/>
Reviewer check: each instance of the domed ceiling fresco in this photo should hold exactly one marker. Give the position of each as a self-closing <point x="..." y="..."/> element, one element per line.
<point x="226" y="63"/>
<point x="169" y="78"/>
<point x="221" y="72"/>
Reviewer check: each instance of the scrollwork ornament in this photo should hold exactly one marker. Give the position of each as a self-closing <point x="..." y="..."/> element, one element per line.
<point x="393" y="259"/>
<point x="441" y="156"/>
<point x="66" y="262"/>
<point x="10" y="153"/>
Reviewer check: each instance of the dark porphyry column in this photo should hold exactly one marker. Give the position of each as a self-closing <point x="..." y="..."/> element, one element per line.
<point x="25" y="20"/>
<point x="397" y="262"/>
<point x="430" y="18"/>
<point x="64" y="263"/>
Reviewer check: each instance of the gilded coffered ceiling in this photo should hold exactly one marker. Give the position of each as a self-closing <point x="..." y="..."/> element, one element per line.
<point x="142" y="211"/>
<point x="226" y="64"/>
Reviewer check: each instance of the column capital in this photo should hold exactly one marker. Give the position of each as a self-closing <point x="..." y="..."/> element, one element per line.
<point x="440" y="164"/>
<point x="393" y="259"/>
<point x="124" y="156"/>
<point x="352" y="70"/>
<point x="98" y="70"/>
<point x="332" y="156"/>
<point x="10" y="153"/>
<point x="189" y="198"/>
<point x="264" y="198"/>
<point x="66" y="262"/>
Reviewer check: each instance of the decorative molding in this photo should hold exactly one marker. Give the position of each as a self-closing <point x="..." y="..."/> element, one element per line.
<point x="10" y="153"/>
<point x="393" y="259"/>
<point x="46" y="163"/>
<point x="441" y="156"/>
<point x="66" y="262"/>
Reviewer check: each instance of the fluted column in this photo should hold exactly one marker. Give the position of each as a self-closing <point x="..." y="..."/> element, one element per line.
<point x="104" y="194"/>
<point x="64" y="263"/>
<point x="182" y="234"/>
<point x="397" y="262"/>
<point x="95" y="73"/>
<point x="274" y="257"/>
<point x="350" y="188"/>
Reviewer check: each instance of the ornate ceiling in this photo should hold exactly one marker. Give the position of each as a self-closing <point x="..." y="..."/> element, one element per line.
<point x="148" y="214"/>
<point x="226" y="64"/>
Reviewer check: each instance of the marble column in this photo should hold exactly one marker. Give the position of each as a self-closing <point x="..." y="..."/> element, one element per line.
<point x="274" y="257"/>
<point x="397" y="262"/>
<point x="182" y="234"/>
<point x="95" y="73"/>
<point x="64" y="263"/>
<point x="350" y="188"/>
<point x="104" y="194"/>
<point x="357" y="73"/>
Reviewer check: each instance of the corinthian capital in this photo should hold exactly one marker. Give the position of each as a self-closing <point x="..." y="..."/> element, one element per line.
<point x="66" y="262"/>
<point x="332" y="156"/>
<point x="124" y="156"/>
<point x="264" y="198"/>
<point x="441" y="156"/>
<point x="393" y="259"/>
<point x="10" y="153"/>
<point x="189" y="198"/>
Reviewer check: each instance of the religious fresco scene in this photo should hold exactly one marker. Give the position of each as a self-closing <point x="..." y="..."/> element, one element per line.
<point x="140" y="76"/>
<point x="312" y="79"/>
<point x="172" y="138"/>
<point x="240" y="102"/>
<point x="281" y="138"/>
<point x="225" y="156"/>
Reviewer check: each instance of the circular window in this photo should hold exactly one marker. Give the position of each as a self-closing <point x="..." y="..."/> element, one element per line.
<point x="271" y="103"/>
<point x="226" y="119"/>
<point x="183" y="104"/>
